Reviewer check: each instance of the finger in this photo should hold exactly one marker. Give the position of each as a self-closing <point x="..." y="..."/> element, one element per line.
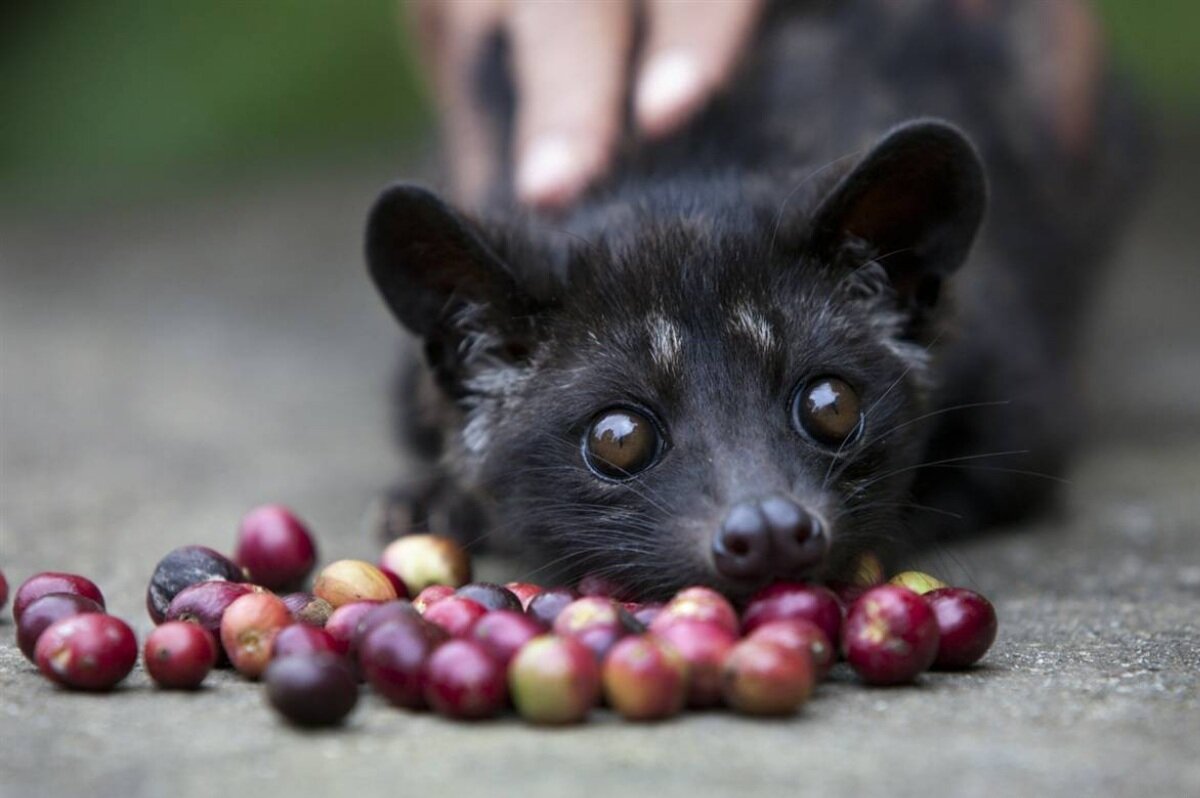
<point x="570" y="62"/>
<point x="450" y="36"/>
<point x="691" y="50"/>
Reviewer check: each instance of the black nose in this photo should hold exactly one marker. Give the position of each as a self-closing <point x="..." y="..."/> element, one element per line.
<point x="773" y="536"/>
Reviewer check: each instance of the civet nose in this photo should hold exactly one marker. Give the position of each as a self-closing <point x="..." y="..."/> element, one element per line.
<point x="773" y="536"/>
<point x="742" y="546"/>
<point x="797" y="536"/>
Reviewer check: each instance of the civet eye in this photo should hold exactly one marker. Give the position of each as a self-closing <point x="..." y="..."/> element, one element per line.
<point x="620" y="443"/>
<point x="828" y="409"/>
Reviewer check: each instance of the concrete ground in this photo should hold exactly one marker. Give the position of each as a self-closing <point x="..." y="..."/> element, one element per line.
<point x="163" y="369"/>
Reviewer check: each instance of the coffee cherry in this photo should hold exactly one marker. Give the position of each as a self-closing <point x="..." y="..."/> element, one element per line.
<point x="493" y="597"/>
<point x="463" y="681"/>
<point x="602" y="586"/>
<point x="596" y="622"/>
<point x="392" y="657"/>
<point x="455" y="614"/>
<point x="379" y="615"/>
<point x="307" y="608"/>
<point x="343" y="624"/>
<point x="431" y="595"/>
<point x="345" y="581"/>
<point x="645" y="678"/>
<point x="397" y="583"/>
<point x="502" y="633"/>
<point x="795" y="600"/>
<point x="865" y="573"/>
<point x="966" y="626"/>
<point x="183" y="567"/>
<point x="275" y="547"/>
<point x="891" y="635"/>
<point x="87" y="652"/>
<point x="554" y="680"/>
<point x="545" y="606"/>
<point x="45" y="611"/>
<point x="698" y="604"/>
<point x="424" y="560"/>
<point x="3" y="590"/>
<point x="179" y="655"/>
<point x="764" y="678"/>
<point x="48" y="582"/>
<point x="800" y="635"/>
<point x="248" y="630"/>
<point x="204" y="604"/>
<point x="300" y="640"/>
<point x="704" y="646"/>
<point x="646" y="613"/>
<point x="311" y="689"/>
<point x="524" y="591"/>
<point x="916" y="581"/>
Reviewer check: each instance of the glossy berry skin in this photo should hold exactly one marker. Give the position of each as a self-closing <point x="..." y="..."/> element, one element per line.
<point x="554" y="680"/>
<point x="311" y="690"/>
<point x="87" y="652"/>
<point x="300" y="639"/>
<point x="891" y="635"/>
<point x="545" y="606"/>
<point x="45" y="611"/>
<point x="917" y="581"/>
<point x="645" y="678"/>
<point x="795" y="600"/>
<point x="347" y="581"/>
<point x="275" y="547"/>
<point x="392" y="658"/>
<point x="502" y="633"/>
<point x="645" y="613"/>
<point x="248" y="630"/>
<point x="380" y="614"/>
<point x="183" y="567"/>
<point x="966" y="626"/>
<point x="424" y="560"/>
<point x="204" y="604"/>
<point x="524" y="591"/>
<point x="493" y="597"/>
<point x="48" y="582"/>
<point x="764" y="678"/>
<point x="463" y="681"/>
<point x="179" y="655"/>
<point x="397" y="583"/>
<point x="308" y="608"/>
<point x="704" y="646"/>
<point x="596" y="622"/>
<point x="455" y="614"/>
<point x="432" y="595"/>
<point x="3" y="590"/>
<point x="803" y="636"/>
<point x="343" y="624"/>
<point x="698" y="604"/>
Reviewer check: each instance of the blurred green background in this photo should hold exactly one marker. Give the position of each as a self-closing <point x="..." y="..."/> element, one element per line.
<point x="131" y="99"/>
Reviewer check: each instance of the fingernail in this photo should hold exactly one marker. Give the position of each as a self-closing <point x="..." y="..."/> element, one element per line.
<point x="548" y="172"/>
<point x="669" y="85"/>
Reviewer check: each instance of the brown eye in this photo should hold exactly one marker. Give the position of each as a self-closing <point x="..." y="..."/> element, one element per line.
<point x="828" y="409"/>
<point x="620" y="443"/>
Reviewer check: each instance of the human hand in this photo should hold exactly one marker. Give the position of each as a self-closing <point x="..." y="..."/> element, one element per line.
<point x="571" y="66"/>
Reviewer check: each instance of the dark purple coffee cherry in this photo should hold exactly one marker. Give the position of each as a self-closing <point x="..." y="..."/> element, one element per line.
<point x="183" y="567"/>
<point x="311" y="689"/>
<point x="491" y="596"/>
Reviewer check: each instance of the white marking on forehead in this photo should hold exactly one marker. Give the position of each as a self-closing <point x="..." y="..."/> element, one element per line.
<point x="746" y="320"/>
<point x="666" y="343"/>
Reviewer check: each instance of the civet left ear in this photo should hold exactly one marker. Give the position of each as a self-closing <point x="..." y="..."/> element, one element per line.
<point x="915" y="201"/>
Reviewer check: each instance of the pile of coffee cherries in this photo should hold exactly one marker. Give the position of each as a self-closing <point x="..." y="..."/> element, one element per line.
<point x="473" y="649"/>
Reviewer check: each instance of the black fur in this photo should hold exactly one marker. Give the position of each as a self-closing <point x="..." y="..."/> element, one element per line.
<point x="802" y="203"/>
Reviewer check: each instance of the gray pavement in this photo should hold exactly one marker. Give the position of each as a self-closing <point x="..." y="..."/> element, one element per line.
<point x="162" y="369"/>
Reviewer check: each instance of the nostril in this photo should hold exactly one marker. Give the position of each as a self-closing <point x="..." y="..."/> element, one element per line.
<point x="798" y="536"/>
<point x="741" y="548"/>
